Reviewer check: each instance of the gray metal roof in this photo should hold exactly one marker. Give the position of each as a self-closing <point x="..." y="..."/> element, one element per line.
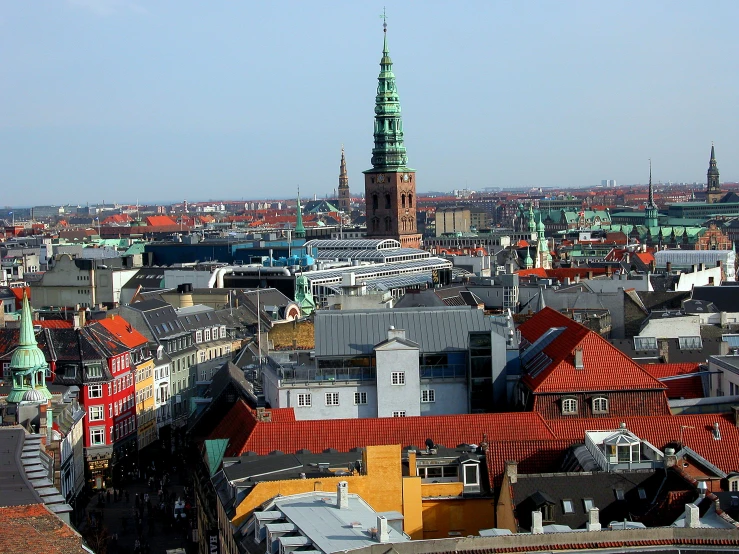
<point x="356" y="332"/>
<point x="384" y="255"/>
<point x="352" y="244"/>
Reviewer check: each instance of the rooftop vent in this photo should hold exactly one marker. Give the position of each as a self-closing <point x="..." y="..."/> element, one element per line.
<point x="716" y="432"/>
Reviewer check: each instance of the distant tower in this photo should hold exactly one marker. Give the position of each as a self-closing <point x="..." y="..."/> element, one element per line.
<point x="532" y="221"/>
<point x="543" y="257"/>
<point x="299" y="229"/>
<point x="344" y="196"/>
<point x="713" y="190"/>
<point x="28" y="364"/>
<point x="650" y="212"/>
<point x="390" y="186"/>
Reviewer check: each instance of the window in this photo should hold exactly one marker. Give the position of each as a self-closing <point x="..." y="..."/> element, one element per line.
<point x="568" y="507"/>
<point x="400" y="413"/>
<point x="547" y="513"/>
<point x="569" y="406"/>
<point x="398" y="377"/>
<point x="223" y="332"/>
<point x="332" y="399"/>
<point x="97" y="435"/>
<point x="94" y="371"/>
<point x="428" y="395"/>
<point x="97" y="413"/>
<point x="95" y="391"/>
<point x="360" y="398"/>
<point x="587" y="503"/>
<point x="619" y="494"/>
<point x="207" y="334"/>
<point x="734" y="486"/>
<point x="304" y="400"/>
<point x="642" y="493"/>
<point x="600" y="405"/>
<point x="471" y="472"/>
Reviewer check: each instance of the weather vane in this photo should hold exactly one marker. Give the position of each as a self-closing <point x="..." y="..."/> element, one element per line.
<point x="384" y="20"/>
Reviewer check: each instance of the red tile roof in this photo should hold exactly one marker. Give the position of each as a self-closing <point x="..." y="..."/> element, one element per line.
<point x="542" y="456"/>
<point x="248" y="434"/>
<point x="124" y="331"/>
<point x="686" y="387"/>
<point x="26" y="529"/>
<point x="53" y="324"/>
<point x="605" y="367"/>
<point x="663" y="430"/>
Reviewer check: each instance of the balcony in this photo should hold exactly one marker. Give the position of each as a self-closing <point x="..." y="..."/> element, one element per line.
<point x="328" y="374"/>
<point x="451" y="371"/>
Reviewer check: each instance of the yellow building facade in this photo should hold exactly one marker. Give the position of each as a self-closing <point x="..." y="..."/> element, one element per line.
<point x="146" y="418"/>
<point x="430" y="510"/>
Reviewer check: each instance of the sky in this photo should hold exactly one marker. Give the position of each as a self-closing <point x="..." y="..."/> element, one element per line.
<point x="119" y="101"/>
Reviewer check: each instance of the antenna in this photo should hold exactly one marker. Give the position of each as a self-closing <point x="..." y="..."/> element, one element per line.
<point x="384" y="20"/>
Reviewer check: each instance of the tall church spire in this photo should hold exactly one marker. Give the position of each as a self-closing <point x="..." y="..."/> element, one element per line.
<point x="713" y="188"/>
<point x="650" y="211"/>
<point x="299" y="229"/>
<point x="389" y="151"/>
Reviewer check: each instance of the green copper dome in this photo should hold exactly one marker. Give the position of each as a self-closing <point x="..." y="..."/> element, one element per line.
<point x="389" y="151"/>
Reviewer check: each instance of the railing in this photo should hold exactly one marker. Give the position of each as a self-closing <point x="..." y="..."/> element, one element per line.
<point x="453" y="371"/>
<point x="327" y="374"/>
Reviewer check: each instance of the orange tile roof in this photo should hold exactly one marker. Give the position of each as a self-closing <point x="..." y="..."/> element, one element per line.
<point x="248" y="434"/>
<point x="124" y="331"/>
<point x="159" y="220"/>
<point x="606" y="368"/>
<point x="53" y="323"/>
<point x="686" y="387"/>
<point x="26" y="529"/>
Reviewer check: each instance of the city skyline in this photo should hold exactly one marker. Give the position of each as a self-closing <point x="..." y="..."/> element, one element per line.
<point x="112" y="100"/>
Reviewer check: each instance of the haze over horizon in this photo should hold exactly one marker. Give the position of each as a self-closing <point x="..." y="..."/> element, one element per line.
<point x="117" y="100"/>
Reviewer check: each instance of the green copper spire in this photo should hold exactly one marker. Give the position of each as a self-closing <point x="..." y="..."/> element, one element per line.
<point x="389" y="151"/>
<point x="28" y="364"/>
<point x="650" y="212"/>
<point x="299" y="229"/>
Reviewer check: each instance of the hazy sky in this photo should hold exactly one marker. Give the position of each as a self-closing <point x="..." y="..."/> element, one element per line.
<point x="163" y="100"/>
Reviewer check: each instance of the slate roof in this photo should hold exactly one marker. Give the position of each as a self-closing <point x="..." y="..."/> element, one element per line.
<point x="711" y="347"/>
<point x="247" y="434"/>
<point x="531" y="490"/>
<point x="356" y="332"/>
<point x="605" y="367"/>
<point x="724" y="298"/>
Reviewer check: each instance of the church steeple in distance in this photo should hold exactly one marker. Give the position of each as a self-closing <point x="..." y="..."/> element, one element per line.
<point x="344" y="196"/>
<point x="650" y="212"/>
<point x="713" y="187"/>
<point x="299" y="229"/>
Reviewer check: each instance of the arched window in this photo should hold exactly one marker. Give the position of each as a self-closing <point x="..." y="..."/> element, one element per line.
<point x="387" y="201"/>
<point x="569" y="406"/>
<point x="410" y="200"/>
<point x="375" y="202"/>
<point x="388" y="224"/>
<point x="600" y="405"/>
<point x="402" y="200"/>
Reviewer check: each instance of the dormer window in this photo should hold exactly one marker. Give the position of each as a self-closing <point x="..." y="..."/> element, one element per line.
<point x="600" y="405"/>
<point x="569" y="406"/>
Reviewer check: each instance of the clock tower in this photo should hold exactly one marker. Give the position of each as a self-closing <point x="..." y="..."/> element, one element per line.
<point x="390" y="186"/>
<point x="713" y="188"/>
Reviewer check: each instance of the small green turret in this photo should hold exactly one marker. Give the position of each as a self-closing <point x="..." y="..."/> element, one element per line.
<point x="299" y="229"/>
<point x="28" y="364"/>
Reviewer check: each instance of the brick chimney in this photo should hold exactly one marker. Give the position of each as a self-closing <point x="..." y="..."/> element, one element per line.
<point x="593" y="523"/>
<point x="536" y="523"/>
<point x="692" y="516"/>
<point x="393" y="333"/>
<point x="511" y="471"/>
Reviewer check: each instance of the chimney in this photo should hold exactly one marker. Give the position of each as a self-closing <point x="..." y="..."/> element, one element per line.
<point x="735" y="409"/>
<point x="393" y="333"/>
<point x="383" y="535"/>
<point x="692" y="518"/>
<point x="342" y="495"/>
<point x="670" y="458"/>
<point x="536" y="526"/>
<point x="511" y="471"/>
<point x="579" y="363"/>
<point x="590" y="274"/>
<point x="82" y="317"/>
<point x="412" y="469"/>
<point x="593" y="523"/>
<point x="669" y="267"/>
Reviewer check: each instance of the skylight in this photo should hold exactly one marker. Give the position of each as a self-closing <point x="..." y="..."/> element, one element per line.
<point x="645" y="343"/>
<point x="540" y="344"/>
<point x="690" y="343"/>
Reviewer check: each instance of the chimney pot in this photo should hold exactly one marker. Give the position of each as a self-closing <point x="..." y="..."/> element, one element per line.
<point x="383" y="534"/>
<point x="692" y="516"/>
<point x="342" y="495"/>
<point x="536" y="523"/>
